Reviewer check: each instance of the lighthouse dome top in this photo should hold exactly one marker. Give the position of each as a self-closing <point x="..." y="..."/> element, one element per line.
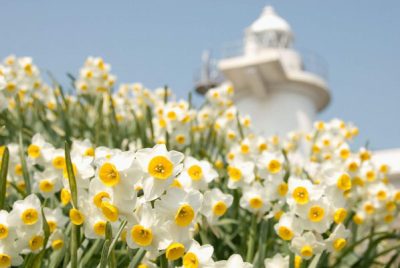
<point x="270" y="21"/>
<point x="268" y="31"/>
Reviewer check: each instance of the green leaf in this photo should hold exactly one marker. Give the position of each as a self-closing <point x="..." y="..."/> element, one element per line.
<point x="149" y="117"/>
<point x="291" y="260"/>
<point x="239" y="125"/>
<point x="46" y="229"/>
<point x="227" y="222"/>
<point x="103" y="260"/>
<point x="138" y="258"/>
<point x="25" y="172"/>
<point x="71" y="176"/>
<point x="3" y="177"/>
<point x="115" y="240"/>
<point x="74" y="245"/>
<point x="90" y="252"/>
<point x="252" y="239"/>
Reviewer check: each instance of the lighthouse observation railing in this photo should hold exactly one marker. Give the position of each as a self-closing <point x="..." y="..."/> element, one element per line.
<point x="311" y="61"/>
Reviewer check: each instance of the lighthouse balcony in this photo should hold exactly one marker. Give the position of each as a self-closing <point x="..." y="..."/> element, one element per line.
<point x="293" y="59"/>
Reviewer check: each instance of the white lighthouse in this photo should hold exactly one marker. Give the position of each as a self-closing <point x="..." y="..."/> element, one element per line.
<point x="270" y="78"/>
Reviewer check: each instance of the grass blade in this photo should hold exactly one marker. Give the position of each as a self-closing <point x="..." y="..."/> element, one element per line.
<point x="3" y="177"/>
<point x="71" y="176"/>
<point x="115" y="239"/>
<point x="138" y="258"/>
<point x="25" y="172"/>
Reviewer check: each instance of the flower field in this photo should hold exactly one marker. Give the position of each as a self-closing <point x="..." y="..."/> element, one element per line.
<point x="98" y="175"/>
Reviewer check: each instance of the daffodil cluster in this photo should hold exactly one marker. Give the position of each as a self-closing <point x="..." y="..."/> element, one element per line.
<point x="131" y="177"/>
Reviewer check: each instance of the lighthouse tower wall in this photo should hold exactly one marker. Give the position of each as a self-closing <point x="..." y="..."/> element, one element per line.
<point x="284" y="109"/>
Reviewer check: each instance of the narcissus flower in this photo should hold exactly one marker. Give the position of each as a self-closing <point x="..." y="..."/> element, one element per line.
<point x="160" y="167"/>
<point x="277" y="261"/>
<point x="215" y="204"/>
<point x="287" y="227"/>
<point x="26" y="214"/>
<point x="240" y="174"/>
<point x="197" y="174"/>
<point x="145" y="230"/>
<point x="307" y="245"/>
<point x="180" y="206"/>
<point x="234" y="261"/>
<point x="198" y="256"/>
<point x="254" y="199"/>
<point x="338" y="239"/>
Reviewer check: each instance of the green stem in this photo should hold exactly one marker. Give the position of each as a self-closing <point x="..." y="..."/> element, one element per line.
<point x="163" y="261"/>
<point x="25" y="172"/>
<point x="262" y="242"/>
<point x="291" y="260"/>
<point x="138" y="258"/>
<point x="3" y="177"/>
<point x="95" y="247"/>
<point x="252" y="237"/>
<point x="74" y="245"/>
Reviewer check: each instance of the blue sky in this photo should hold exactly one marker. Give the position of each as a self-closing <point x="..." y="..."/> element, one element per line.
<point x="160" y="42"/>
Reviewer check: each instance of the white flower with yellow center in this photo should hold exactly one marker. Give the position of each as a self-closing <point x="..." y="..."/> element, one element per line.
<point x="55" y="218"/>
<point x="120" y="172"/>
<point x="343" y="152"/>
<point x="56" y="240"/>
<point x="94" y="77"/>
<point x="301" y="192"/>
<point x="104" y="152"/>
<point x="178" y="241"/>
<point x="22" y="76"/>
<point x="99" y="193"/>
<point x="368" y="172"/>
<point x="244" y="149"/>
<point x="145" y="230"/>
<point x="83" y="171"/>
<point x="338" y="238"/>
<point x="254" y="199"/>
<point x="220" y="96"/>
<point x="47" y="183"/>
<point x="277" y="261"/>
<point x="234" y="261"/>
<point x="288" y="226"/>
<point x="160" y="167"/>
<point x="173" y="114"/>
<point x="276" y="211"/>
<point x="369" y="207"/>
<point x="55" y="159"/>
<point x="38" y="149"/>
<point x="26" y="214"/>
<point x="31" y="242"/>
<point x="215" y="204"/>
<point x="109" y="200"/>
<point x="338" y="183"/>
<point x="353" y="165"/>
<point x="196" y="174"/>
<point x="83" y="147"/>
<point x="7" y="231"/>
<point x="95" y="223"/>
<point x="181" y="137"/>
<point x="240" y="173"/>
<point x="9" y="255"/>
<point x="307" y="245"/>
<point x="380" y="191"/>
<point x="364" y="154"/>
<point x="198" y="256"/>
<point x="270" y="164"/>
<point x="316" y="215"/>
<point x="180" y="206"/>
<point x="360" y="216"/>
<point x="276" y="188"/>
